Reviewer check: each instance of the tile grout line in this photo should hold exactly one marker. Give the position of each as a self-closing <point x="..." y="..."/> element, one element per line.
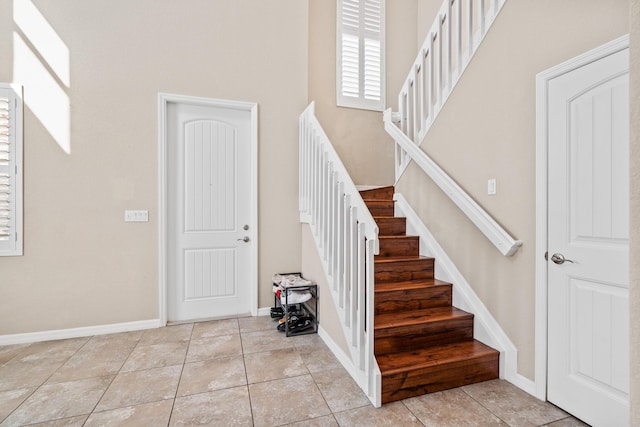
<point x="43" y="382"/>
<point x="411" y="412"/>
<point x="480" y="403"/>
<point x="112" y="379"/>
<point x="246" y="375"/>
<point x="184" y="361"/>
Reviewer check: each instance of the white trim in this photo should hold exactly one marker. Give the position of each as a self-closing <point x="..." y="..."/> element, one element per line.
<point x="16" y="144"/>
<point x="542" y="84"/>
<point x="486" y="328"/>
<point x="163" y="100"/>
<point x="87" y="331"/>
<point x="264" y="311"/>
<point x="497" y="235"/>
<point x="524" y="384"/>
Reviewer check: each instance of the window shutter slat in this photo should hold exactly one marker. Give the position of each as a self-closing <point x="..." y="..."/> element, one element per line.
<point x="10" y="171"/>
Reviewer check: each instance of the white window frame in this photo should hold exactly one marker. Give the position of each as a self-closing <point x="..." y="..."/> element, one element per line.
<point x="11" y="171"/>
<point x="364" y="36"/>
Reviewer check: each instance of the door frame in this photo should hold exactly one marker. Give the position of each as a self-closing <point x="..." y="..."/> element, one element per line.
<point x="541" y="264"/>
<point x="164" y="99"/>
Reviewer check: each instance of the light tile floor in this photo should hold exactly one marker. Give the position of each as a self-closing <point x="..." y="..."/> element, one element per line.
<point x="227" y="373"/>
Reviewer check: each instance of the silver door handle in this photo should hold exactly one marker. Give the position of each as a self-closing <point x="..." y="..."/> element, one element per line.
<point x="245" y="239"/>
<point x="560" y="259"/>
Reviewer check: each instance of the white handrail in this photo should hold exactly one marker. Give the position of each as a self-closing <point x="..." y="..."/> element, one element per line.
<point x="347" y="239"/>
<point x="506" y="244"/>
<point x="454" y="37"/>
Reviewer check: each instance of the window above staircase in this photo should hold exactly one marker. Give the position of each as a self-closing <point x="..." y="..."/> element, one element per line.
<point x="360" y="73"/>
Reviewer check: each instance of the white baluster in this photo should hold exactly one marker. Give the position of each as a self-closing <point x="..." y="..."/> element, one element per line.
<point x="361" y="320"/>
<point x="469" y="30"/>
<point x="346" y="255"/>
<point x="354" y="276"/>
<point x="481" y="18"/>
<point x="457" y="11"/>
<point x="448" y="47"/>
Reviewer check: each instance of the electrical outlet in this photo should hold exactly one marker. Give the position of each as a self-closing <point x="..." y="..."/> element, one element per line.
<point x="491" y="187"/>
<point x="136" y="216"/>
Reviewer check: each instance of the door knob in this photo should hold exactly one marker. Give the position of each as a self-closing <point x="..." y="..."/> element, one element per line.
<point x="245" y="239"/>
<point x="560" y="259"/>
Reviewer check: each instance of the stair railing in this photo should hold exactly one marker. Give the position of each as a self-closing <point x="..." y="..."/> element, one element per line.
<point x="454" y="37"/>
<point x="346" y="236"/>
<point x="506" y="244"/>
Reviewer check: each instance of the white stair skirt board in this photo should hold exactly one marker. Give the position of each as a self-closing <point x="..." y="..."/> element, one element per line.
<point x="486" y="328"/>
<point x="87" y="331"/>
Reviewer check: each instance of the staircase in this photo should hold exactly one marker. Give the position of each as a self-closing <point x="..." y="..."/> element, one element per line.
<point x="421" y="342"/>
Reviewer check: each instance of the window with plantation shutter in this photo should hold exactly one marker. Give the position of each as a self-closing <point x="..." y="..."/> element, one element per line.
<point x="10" y="170"/>
<point x="360" y="54"/>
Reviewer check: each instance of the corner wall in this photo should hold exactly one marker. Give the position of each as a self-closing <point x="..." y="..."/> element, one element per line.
<point x="487" y="130"/>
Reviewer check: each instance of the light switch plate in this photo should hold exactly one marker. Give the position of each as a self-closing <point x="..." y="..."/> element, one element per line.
<point x="491" y="187"/>
<point x="136" y="216"/>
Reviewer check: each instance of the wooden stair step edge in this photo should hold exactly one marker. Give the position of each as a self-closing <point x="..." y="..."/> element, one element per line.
<point x="409" y="285"/>
<point x="399" y="246"/>
<point x="418" y="372"/>
<point x="381" y="193"/>
<point x="438" y="355"/>
<point x="408" y="318"/>
<point x="381" y="207"/>
<point x="403" y="269"/>
<point x="402" y="331"/>
<point x="392" y="297"/>
<point x="391" y="225"/>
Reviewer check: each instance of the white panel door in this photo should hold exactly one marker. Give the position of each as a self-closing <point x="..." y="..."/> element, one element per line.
<point x="588" y="347"/>
<point x="209" y="190"/>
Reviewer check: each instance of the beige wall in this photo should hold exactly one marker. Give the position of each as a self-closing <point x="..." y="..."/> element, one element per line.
<point x="83" y="265"/>
<point x="313" y="270"/>
<point x="487" y="130"/>
<point x="358" y="135"/>
<point x="427" y="10"/>
<point x="634" y="294"/>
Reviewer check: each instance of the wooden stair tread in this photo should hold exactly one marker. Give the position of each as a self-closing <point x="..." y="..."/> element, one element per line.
<point x="386" y="192"/>
<point x="408" y="285"/>
<point x="434" y="356"/>
<point x="390" y="260"/>
<point x="415" y="317"/>
<point x="399" y="237"/>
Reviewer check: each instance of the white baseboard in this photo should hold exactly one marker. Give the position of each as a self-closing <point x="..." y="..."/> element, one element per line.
<point x="60" y="334"/>
<point x="264" y="311"/>
<point x="525" y="384"/>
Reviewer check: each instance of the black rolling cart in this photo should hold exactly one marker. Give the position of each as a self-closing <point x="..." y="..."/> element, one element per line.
<point x="301" y="318"/>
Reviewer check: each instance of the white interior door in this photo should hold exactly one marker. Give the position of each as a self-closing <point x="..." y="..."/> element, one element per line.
<point x="588" y="225"/>
<point x="209" y="223"/>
